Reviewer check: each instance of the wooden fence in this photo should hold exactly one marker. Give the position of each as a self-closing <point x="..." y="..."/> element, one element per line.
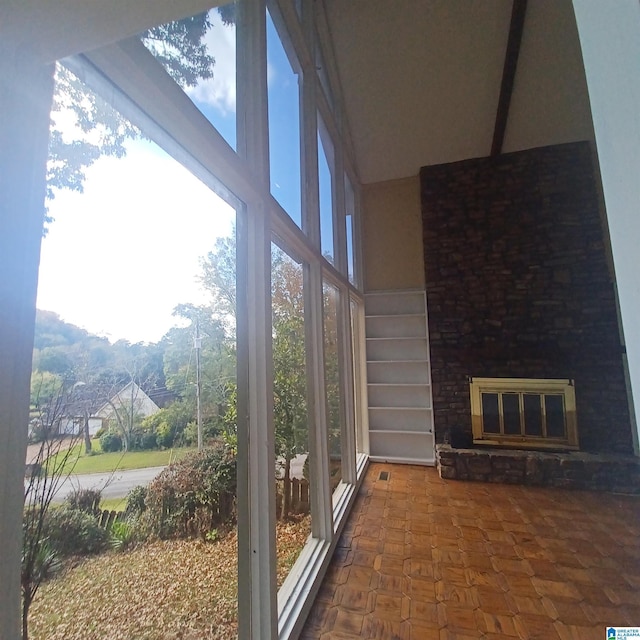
<point x="298" y="498"/>
<point x="106" y="518"/>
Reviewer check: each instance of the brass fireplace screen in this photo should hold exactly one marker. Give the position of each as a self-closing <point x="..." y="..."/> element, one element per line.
<point x="524" y="412"/>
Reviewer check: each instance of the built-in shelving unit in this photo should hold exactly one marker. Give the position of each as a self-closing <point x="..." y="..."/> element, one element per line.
<point x="399" y="377"/>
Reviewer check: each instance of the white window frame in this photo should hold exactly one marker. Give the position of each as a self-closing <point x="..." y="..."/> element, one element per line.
<point x="130" y="77"/>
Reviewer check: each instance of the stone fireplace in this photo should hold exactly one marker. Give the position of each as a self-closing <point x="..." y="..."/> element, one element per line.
<point x="519" y="285"/>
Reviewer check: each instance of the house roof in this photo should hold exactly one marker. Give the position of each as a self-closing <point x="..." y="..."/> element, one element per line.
<point x="142" y="401"/>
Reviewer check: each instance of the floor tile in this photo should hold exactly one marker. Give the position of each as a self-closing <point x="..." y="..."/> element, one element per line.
<point x="422" y="558"/>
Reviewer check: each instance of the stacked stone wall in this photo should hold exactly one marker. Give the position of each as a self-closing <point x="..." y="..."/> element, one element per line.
<point x="518" y="285"/>
<point x="575" y="470"/>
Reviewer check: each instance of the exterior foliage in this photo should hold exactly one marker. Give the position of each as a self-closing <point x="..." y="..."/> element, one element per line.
<point x="192" y="497"/>
<point x="72" y="531"/>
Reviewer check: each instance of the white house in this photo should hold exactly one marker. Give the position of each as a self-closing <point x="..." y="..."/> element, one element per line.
<point x="130" y="399"/>
<point x="75" y="426"/>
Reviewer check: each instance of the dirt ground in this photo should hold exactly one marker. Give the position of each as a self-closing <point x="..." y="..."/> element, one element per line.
<point x="33" y="449"/>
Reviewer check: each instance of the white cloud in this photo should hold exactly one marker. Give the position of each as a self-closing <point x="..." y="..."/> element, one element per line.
<point x="219" y="91"/>
<point x="119" y="257"/>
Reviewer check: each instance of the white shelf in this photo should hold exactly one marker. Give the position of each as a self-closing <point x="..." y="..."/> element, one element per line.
<point x="395" y="316"/>
<point x="399" y="380"/>
<point x="398" y="372"/>
<point x="398" y="326"/>
<point x="426" y="462"/>
<point x="394" y="302"/>
<point x="401" y="444"/>
<point x="399" y="395"/>
<point x="386" y="349"/>
<point x="400" y="419"/>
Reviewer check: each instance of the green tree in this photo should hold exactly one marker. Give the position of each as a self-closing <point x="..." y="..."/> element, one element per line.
<point x="288" y="332"/>
<point x="217" y="363"/>
<point x="100" y="130"/>
<point x="218" y="277"/>
<point x="289" y="364"/>
<point x="169" y="423"/>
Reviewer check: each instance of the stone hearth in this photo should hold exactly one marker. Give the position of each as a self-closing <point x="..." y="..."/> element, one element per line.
<point x="568" y="470"/>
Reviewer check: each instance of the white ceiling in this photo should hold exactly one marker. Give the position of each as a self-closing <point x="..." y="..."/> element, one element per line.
<point x="53" y="29"/>
<point x="421" y="80"/>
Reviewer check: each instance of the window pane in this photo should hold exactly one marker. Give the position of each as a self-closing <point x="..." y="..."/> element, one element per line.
<point x="511" y="413"/>
<point x="332" y="382"/>
<point x="325" y="157"/>
<point x="199" y="53"/>
<point x="357" y="373"/>
<point x="490" y="415"/>
<point x="124" y="282"/>
<point x="532" y="415"/>
<point x="554" y="408"/>
<point x="284" y="125"/>
<point x="290" y="408"/>
<point x="350" y="206"/>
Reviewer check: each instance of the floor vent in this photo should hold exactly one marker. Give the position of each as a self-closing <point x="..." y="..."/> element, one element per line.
<point x="384" y="475"/>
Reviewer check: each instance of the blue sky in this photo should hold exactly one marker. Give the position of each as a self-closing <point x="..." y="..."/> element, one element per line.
<point x="121" y="255"/>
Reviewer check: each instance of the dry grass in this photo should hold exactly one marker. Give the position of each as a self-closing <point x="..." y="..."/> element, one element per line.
<point x="160" y="591"/>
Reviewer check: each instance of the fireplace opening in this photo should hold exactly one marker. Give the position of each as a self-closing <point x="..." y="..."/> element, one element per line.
<point x="526" y="413"/>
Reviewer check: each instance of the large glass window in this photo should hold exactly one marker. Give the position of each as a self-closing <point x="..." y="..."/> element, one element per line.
<point x="350" y="219"/>
<point x="325" y="180"/>
<point x="136" y="313"/>
<point x="148" y="265"/>
<point x="199" y="53"/>
<point x="284" y="125"/>
<point x="359" y="381"/>
<point x="332" y="382"/>
<point x="290" y="409"/>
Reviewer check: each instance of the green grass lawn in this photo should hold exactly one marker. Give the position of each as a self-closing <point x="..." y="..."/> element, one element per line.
<point x="99" y="462"/>
<point x="113" y="504"/>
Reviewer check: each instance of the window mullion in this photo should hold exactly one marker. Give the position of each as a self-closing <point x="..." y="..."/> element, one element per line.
<point x="322" y="514"/>
<point x="257" y="592"/>
<point x="309" y="160"/>
<point x="346" y="387"/>
<point x="339" y="211"/>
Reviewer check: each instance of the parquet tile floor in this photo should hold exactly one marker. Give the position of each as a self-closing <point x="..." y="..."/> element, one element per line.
<point x="423" y="558"/>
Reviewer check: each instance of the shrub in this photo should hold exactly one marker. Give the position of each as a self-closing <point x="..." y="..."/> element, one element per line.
<point x="87" y="500"/>
<point x="193" y="496"/>
<point x="111" y="442"/>
<point x="165" y="435"/>
<point x="143" y="440"/>
<point x="136" y="501"/>
<point x="123" y="535"/>
<point x="74" y="532"/>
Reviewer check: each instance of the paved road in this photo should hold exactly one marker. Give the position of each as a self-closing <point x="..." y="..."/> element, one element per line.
<point x="119" y="483"/>
<point x="113" y="485"/>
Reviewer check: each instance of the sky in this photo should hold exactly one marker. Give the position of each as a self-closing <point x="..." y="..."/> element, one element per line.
<point x="116" y="261"/>
<point x="119" y="257"/>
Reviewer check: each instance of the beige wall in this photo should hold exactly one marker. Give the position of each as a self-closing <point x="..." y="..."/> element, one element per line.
<point x="392" y="235"/>
<point x="611" y="52"/>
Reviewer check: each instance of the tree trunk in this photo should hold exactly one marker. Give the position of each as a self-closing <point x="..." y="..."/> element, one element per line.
<point x="286" y="499"/>
<point x="26" y="603"/>
<point x="87" y="437"/>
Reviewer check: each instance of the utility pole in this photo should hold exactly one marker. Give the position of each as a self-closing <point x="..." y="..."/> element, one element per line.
<point x="197" y="344"/>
